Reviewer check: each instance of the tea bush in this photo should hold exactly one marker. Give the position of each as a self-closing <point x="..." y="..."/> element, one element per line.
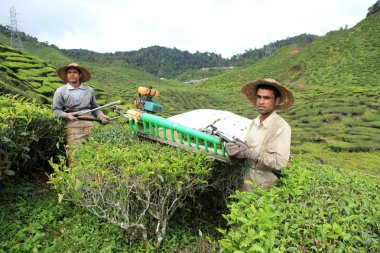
<point x="29" y="134"/>
<point x="316" y="209"/>
<point x="23" y="65"/>
<point x="45" y="90"/>
<point x="132" y="183"/>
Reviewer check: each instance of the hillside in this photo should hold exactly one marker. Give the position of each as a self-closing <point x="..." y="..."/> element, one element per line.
<point x="26" y="75"/>
<point x="316" y="208"/>
<point x="49" y="53"/>
<point x="252" y="56"/>
<point x="33" y="78"/>
<point x="173" y="63"/>
<point x="335" y="79"/>
<point x="348" y="57"/>
<point x="157" y="60"/>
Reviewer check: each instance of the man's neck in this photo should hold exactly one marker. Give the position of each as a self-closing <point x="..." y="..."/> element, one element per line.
<point x="75" y="84"/>
<point x="265" y="116"/>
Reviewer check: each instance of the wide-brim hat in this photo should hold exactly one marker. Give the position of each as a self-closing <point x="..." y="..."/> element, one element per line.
<point x="62" y="72"/>
<point x="287" y="99"/>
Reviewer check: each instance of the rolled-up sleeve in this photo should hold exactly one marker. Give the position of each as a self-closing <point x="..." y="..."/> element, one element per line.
<point x="276" y="152"/>
<point x="271" y="141"/>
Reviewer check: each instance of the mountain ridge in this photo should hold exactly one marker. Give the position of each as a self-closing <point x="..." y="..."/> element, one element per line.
<point x="161" y="61"/>
<point x="335" y="80"/>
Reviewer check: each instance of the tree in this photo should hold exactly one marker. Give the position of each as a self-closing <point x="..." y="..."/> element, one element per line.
<point x="374" y="8"/>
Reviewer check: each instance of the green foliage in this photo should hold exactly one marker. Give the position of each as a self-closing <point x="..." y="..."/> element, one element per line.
<point x="45" y="90"/>
<point x="156" y="60"/>
<point x="27" y="76"/>
<point x="345" y="124"/>
<point x="374" y="8"/>
<point x="317" y="208"/>
<point x="322" y="152"/>
<point x="137" y="185"/>
<point x="335" y="121"/>
<point x="250" y="56"/>
<point x="37" y="72"/>
<point x="199" y="75"/>
<point x="339" y="59"/>
<point x="29" y="134"/>
<point x="23" y="65"/>
<point x="31" y="219"/>
<point x="49" y="53"/>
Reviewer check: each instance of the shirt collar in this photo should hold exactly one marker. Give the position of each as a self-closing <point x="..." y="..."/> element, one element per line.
<point x="267" y="122"/>
<point x="70" y="87"/>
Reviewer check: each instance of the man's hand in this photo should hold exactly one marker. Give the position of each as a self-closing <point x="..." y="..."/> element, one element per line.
<point x="68" y="116"/>
<point x="233" y="148"/>
<point x="104" y="118"/>
<point x="240" y="150"/>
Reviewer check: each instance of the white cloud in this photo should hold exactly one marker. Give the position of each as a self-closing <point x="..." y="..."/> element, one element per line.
<point x="221" y="26"/>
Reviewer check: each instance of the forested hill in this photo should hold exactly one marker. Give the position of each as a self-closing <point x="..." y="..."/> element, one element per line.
<point x="170" y="62"/>
<point x="157" y="60"/>
<point x="252" y="56"/>
<point x="335" y="80"/>
<point x="347" y="57"/>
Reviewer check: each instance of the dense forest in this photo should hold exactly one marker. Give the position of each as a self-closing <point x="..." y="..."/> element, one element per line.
<point x="166" y="62"/>
<point x="171" y="62"/>
<point x="252" y="56"/>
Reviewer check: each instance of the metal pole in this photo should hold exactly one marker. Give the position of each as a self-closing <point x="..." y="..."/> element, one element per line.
<point x="97" y="108"/>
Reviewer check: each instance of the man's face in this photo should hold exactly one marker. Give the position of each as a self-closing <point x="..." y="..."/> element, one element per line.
<point x="73" y="75"/>
<point x="266" y="101"/>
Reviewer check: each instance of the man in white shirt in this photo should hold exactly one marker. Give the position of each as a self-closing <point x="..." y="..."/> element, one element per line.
<point x="267" y="143"/>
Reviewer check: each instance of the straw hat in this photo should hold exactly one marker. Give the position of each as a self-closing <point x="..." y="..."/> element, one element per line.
<point x="287" y="99"/>
<point x="62" y="72"/>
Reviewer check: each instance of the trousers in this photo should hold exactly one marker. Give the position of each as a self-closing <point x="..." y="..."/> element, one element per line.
<point x="252" y="177"/>
<point x="77" y="130"/>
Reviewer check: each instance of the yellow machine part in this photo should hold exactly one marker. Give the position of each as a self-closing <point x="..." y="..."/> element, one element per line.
<point x="148" y="91"/>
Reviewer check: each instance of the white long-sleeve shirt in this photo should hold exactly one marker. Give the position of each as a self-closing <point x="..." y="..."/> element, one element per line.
<point x="271" y="140"/>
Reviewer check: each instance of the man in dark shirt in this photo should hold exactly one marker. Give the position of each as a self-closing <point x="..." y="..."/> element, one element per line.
<point x="74" y="97"/>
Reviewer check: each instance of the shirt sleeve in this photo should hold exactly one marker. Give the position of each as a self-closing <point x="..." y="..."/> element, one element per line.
<point x="58" y="103"/>
<point x="275" y="151"/>
<point x="93" y="103"/>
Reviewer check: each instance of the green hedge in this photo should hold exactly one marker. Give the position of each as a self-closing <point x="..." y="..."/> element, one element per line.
<point x="28" y="134"/>
<point x="315" y="209"/>
<point x="134" y="184"/>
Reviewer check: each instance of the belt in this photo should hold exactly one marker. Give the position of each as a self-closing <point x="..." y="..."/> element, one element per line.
<point x="278" y="173"/>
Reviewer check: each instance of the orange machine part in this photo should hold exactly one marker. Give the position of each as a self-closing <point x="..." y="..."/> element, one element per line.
<point x="148" y="91"/>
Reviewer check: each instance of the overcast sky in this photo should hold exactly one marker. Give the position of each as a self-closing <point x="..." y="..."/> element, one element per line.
<point x="225" y="27"/>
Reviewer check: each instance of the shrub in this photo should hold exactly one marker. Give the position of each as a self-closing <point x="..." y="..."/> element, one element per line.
<point x="316" y="209"/>
<point x="29" y="134"/>
<point x="370" y="117"/>
<point x="45" y="90"/>
<point x="375" y="124"/>
<point x="22" y="65"/>
<point x="134" y="184"/>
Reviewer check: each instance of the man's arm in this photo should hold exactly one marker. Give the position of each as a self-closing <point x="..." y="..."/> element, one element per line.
<point x="275" y="152"/>
<point x="58" y="103"/>
<point x="98" y="113"/>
